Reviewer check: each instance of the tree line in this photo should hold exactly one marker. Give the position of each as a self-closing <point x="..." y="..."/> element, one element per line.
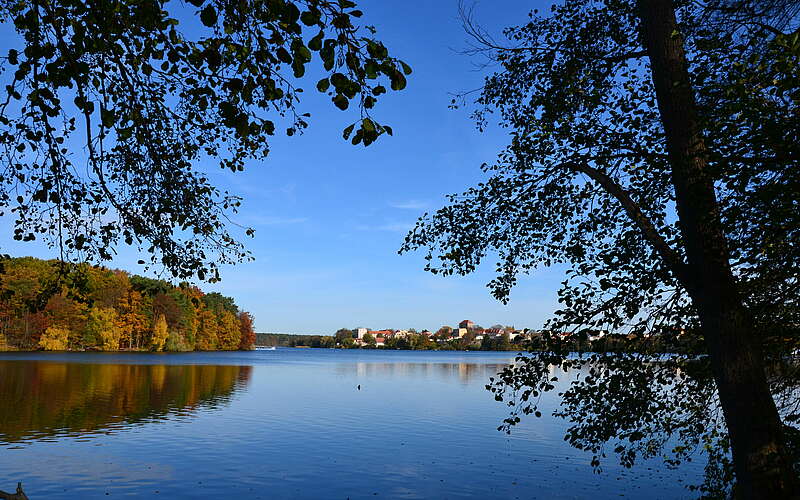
<point x="49" y="305"/>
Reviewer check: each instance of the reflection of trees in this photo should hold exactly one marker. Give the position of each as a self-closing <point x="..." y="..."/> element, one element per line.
<point x="42" y="399"/>
<point x="464" y="372"/>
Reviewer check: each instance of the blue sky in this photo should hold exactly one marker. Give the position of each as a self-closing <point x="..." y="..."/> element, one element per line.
<point x="329" y="216"/>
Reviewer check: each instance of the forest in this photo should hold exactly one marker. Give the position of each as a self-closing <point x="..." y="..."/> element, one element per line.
<point x="54" y="306"/>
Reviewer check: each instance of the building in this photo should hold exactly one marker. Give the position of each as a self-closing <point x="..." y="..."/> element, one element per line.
<point x="381" y="333"/>
<point x="466" y="324"/>
<point x="360" y="332"/>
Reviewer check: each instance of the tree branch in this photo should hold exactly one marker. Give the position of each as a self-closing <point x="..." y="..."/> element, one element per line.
<point x="670" y="257"/>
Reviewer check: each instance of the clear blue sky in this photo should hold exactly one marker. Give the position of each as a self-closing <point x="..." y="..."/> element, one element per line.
<point x="329" y="216"/>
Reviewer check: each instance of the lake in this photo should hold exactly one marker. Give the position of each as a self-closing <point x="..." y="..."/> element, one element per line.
<point x="289" y="424"/>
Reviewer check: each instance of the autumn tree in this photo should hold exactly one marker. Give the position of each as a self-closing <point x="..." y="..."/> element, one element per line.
<point x="160" y="333"/>
<point x="444" y="332"/>
<point x="229" y="332"/>
<point x="247" y="338"/>
<point x="131" y="320"/>
<point x="207" y="329"/>
<point x="653" y="151"/>
<point x="101" y="329"/>
<point x="55" y="338"/>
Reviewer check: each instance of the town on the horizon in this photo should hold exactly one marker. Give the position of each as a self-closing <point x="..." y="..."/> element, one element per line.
<point x="467" y="331"/>
<point x="467" y="335"/>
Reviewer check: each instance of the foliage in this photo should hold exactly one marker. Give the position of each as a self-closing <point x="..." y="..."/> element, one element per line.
<point x="343" y="334"/>
<point x="160" y="334"/>
<point x="229" y="333"/>
<point x="101" y="329"/>
<point x="110" y="105"/>
<point x="247" y="335"/>
<point x="55" y="339"/>
<point x="176" y="343"/>
<point x="586" y="183"/>
<point x="109" y="310"/>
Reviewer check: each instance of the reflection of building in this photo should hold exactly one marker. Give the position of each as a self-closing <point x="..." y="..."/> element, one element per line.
<point x="465" y="373"/>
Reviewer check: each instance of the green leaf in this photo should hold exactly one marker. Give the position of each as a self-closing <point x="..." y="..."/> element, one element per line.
<point x="316" y="43"/>
<point x="341" y="101"/>
<point x="398" y="81"/>
<point x="368" y="125"/>
<point x="309" y="18"/>
<point x="283" y="55"/>
<point x="208" y="16"/>
<point x="347" y="131"/>
<point x="323" y="85"/>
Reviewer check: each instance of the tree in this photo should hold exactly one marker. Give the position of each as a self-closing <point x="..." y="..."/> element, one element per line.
<point x="160" y="334"/>
<point x="369" y="339"/>
<point x="55" y="338"/>
<point x="131" y="319"/>
<point x="652" y="151"/>
<point x="229" y="333"/>
<point x="106" y="309"/>
<point x="247" y="334"/>
<point x="342" y="334"/>
<point x="148" y="99"/>
<point x="444" y="332"/>
<point x="207" y="331"/>
<point x="176" y="343"/>
<point x="101" y="329"/>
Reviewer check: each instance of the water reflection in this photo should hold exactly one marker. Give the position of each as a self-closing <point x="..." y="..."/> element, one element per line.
<point x="465" y="373"/>
<point x="45" y="399"/>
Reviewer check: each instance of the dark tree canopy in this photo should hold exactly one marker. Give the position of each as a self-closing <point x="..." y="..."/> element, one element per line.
<point x="110" y="105"/>
<point x="588" y="181"/>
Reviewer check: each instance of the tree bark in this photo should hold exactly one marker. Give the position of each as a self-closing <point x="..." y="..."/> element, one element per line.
<point x="763" y="468"/>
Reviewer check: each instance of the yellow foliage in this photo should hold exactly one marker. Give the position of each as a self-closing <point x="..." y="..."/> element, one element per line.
<point x="207" y="329"/>
<point x="160" y="333"/>
<point x="55" y="338"/>
<point x="102" y="326"/>
<point x="229" y="332"/>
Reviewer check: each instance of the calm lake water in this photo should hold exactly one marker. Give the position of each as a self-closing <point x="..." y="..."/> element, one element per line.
<point x="290" y="424"/>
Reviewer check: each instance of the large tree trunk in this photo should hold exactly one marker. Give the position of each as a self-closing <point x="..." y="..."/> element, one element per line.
<point x="763" y="469"/>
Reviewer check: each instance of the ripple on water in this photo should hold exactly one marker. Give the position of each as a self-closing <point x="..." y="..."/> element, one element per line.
<point x="291" y="424"/>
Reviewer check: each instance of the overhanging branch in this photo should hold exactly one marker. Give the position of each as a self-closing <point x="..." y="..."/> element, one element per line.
<point x="670" y="257"/>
